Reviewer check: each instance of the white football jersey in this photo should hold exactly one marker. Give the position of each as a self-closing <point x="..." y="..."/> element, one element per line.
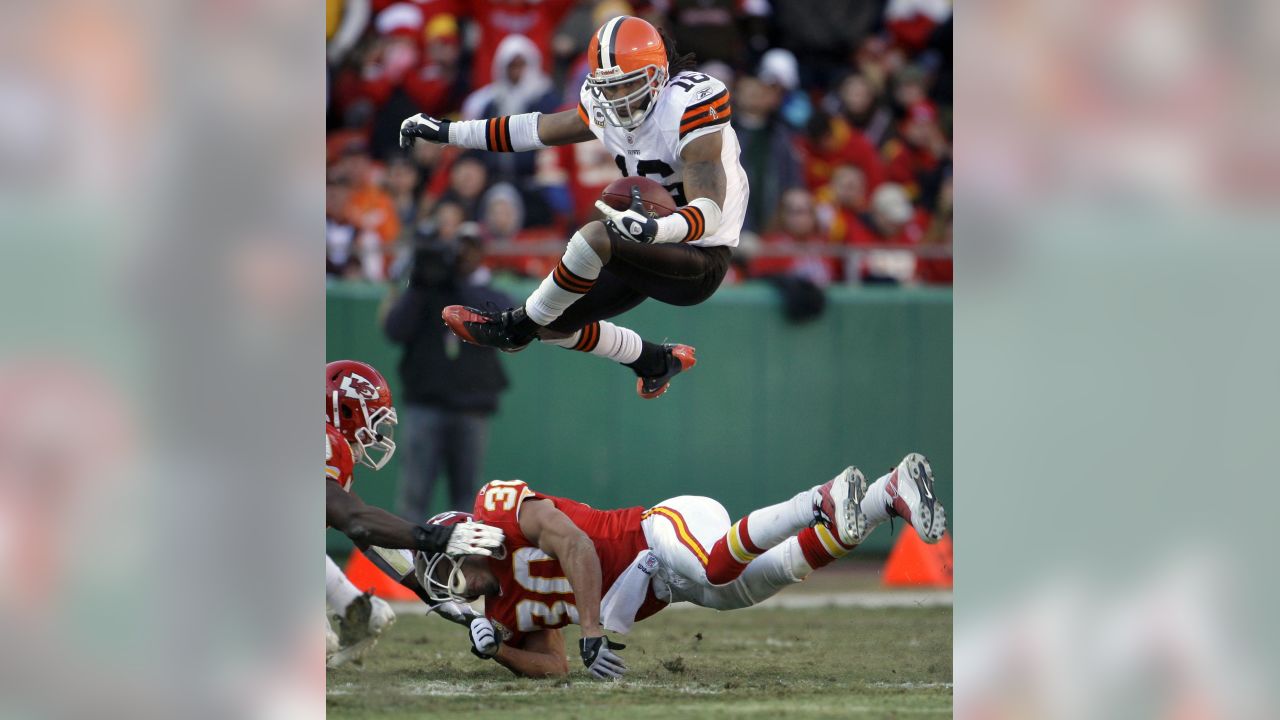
<point x="690" y="105"/>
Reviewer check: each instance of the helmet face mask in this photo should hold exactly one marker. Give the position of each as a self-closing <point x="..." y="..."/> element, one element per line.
<point x="441" y="577"/>
<point x="628" y="109"/>
<point x="374" y="439"/>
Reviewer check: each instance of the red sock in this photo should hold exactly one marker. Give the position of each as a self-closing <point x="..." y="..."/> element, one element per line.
<point x="731" y="554"/>
<point x="820" y="546"/>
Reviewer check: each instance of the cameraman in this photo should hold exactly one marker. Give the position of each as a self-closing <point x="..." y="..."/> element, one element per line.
<point x="450" y="388"/>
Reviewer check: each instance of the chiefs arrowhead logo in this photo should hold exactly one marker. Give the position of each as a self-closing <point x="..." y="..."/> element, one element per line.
<point x="356" y="386"/>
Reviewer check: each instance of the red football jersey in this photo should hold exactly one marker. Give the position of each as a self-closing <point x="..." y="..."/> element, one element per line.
<point x="338" y="462"/>
<point x="535" y="594"/>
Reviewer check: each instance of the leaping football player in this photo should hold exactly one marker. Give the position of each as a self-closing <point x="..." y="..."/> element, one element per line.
<point x="660" y="120"/>
<point x="359" y="421"/>
<point x="565" y="562"/>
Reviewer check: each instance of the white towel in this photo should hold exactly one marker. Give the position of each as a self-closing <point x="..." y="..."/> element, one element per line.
<point x="619" y="607"/>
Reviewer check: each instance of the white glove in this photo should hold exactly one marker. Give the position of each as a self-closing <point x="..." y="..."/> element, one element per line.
<point x="473" y="538"/>
<point x="484" y="641"/>
<point x="632" y="224"/>
<point x="456" y="612"/>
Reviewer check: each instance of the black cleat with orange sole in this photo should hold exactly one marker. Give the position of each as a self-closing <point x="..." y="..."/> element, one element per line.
<point x="507" y="330"/>
<point x="680" y="358"/>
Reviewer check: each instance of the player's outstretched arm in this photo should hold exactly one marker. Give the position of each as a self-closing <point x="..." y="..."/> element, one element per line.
<point x="540" y="655"/>
<point x="509" y="133"/>
<point x="556" y="535"/>
<point x="563" y="128"/>
<point x="368" y="525"/>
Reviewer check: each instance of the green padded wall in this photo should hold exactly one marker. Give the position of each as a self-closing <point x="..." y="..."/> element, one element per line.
<point x="771" y="407"/>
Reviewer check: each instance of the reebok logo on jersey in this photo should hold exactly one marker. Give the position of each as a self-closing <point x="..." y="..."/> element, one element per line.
<point x="702" y="93"/>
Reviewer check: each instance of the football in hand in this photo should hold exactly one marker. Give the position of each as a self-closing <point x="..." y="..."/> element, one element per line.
<point x="657" y="201"/>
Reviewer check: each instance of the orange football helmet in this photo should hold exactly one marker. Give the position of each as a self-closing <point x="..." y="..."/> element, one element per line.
<point x="625" y="52"/>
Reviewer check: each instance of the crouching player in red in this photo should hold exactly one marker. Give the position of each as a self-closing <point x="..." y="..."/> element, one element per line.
<point x="359" y="421"/>
<point x="604" y="570"/>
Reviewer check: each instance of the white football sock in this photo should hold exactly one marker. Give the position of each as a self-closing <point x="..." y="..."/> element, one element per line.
<point x="570" y="280"/>
<point x="605" y="340"/>
<point x="782" y="566"/>
<point x="338" y="590"/>
<point x="771" y="525"/>
<point x="876" y="504"/>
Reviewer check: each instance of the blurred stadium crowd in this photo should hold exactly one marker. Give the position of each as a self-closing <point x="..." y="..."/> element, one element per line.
<point x="843" y="109"/>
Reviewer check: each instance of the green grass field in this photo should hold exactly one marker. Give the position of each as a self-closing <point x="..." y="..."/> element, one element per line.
<point x="684" y="663"/>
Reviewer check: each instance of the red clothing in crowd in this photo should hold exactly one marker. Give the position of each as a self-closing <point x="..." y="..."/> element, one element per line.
<point x="535" y="19"/>
<point x="429" y="8"/>
<point x="862" y="232"/>
<point x="935" y="271"/>
<point x="429" y="87"/>
<point x="887" y="263"/>
<point x="905" y="163"/>
<point x="821" y="269"/>
<point x="843" y="145"/>
<point x="588" y="169"/>
<point x="532" y="265"/>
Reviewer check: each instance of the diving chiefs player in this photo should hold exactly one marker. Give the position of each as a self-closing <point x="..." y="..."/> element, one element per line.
<point x="659" y="119"/>
<point x="565" y="562"/>
<point x="359" y="420"/>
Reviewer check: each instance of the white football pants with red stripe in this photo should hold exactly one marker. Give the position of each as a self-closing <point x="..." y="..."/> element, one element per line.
<point x="681" y="531"/>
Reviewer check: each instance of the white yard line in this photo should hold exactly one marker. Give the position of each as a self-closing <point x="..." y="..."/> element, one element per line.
<point x="866" y="600"/>
<point x="870" y="600"/>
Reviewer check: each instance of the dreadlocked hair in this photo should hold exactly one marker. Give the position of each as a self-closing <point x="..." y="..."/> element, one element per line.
<point x="676" y="62"/>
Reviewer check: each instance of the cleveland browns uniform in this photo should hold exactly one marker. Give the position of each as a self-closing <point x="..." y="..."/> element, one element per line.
<point x="654" y="115"/>
<point x="690" y="105"/>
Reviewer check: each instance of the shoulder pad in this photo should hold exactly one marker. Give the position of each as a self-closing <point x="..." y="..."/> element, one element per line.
<point x="705" y="101"/>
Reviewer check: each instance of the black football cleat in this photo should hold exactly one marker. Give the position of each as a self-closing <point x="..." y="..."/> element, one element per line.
<point x="508" y="330"/>
<point x="680" y="358"/>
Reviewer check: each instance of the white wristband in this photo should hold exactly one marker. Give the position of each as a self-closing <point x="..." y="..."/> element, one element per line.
<point x="700" y="218"/>
<point x="509" y="133"/>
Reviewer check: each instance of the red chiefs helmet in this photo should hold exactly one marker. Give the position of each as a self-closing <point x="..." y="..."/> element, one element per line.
<point x="358" y="403"/>
<point x="438" y="574"/>
<point x="628" y="69"/>
<point x="338" y="462"/>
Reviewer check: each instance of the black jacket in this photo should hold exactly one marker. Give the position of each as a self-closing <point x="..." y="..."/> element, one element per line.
<point x="437" y="368"/>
